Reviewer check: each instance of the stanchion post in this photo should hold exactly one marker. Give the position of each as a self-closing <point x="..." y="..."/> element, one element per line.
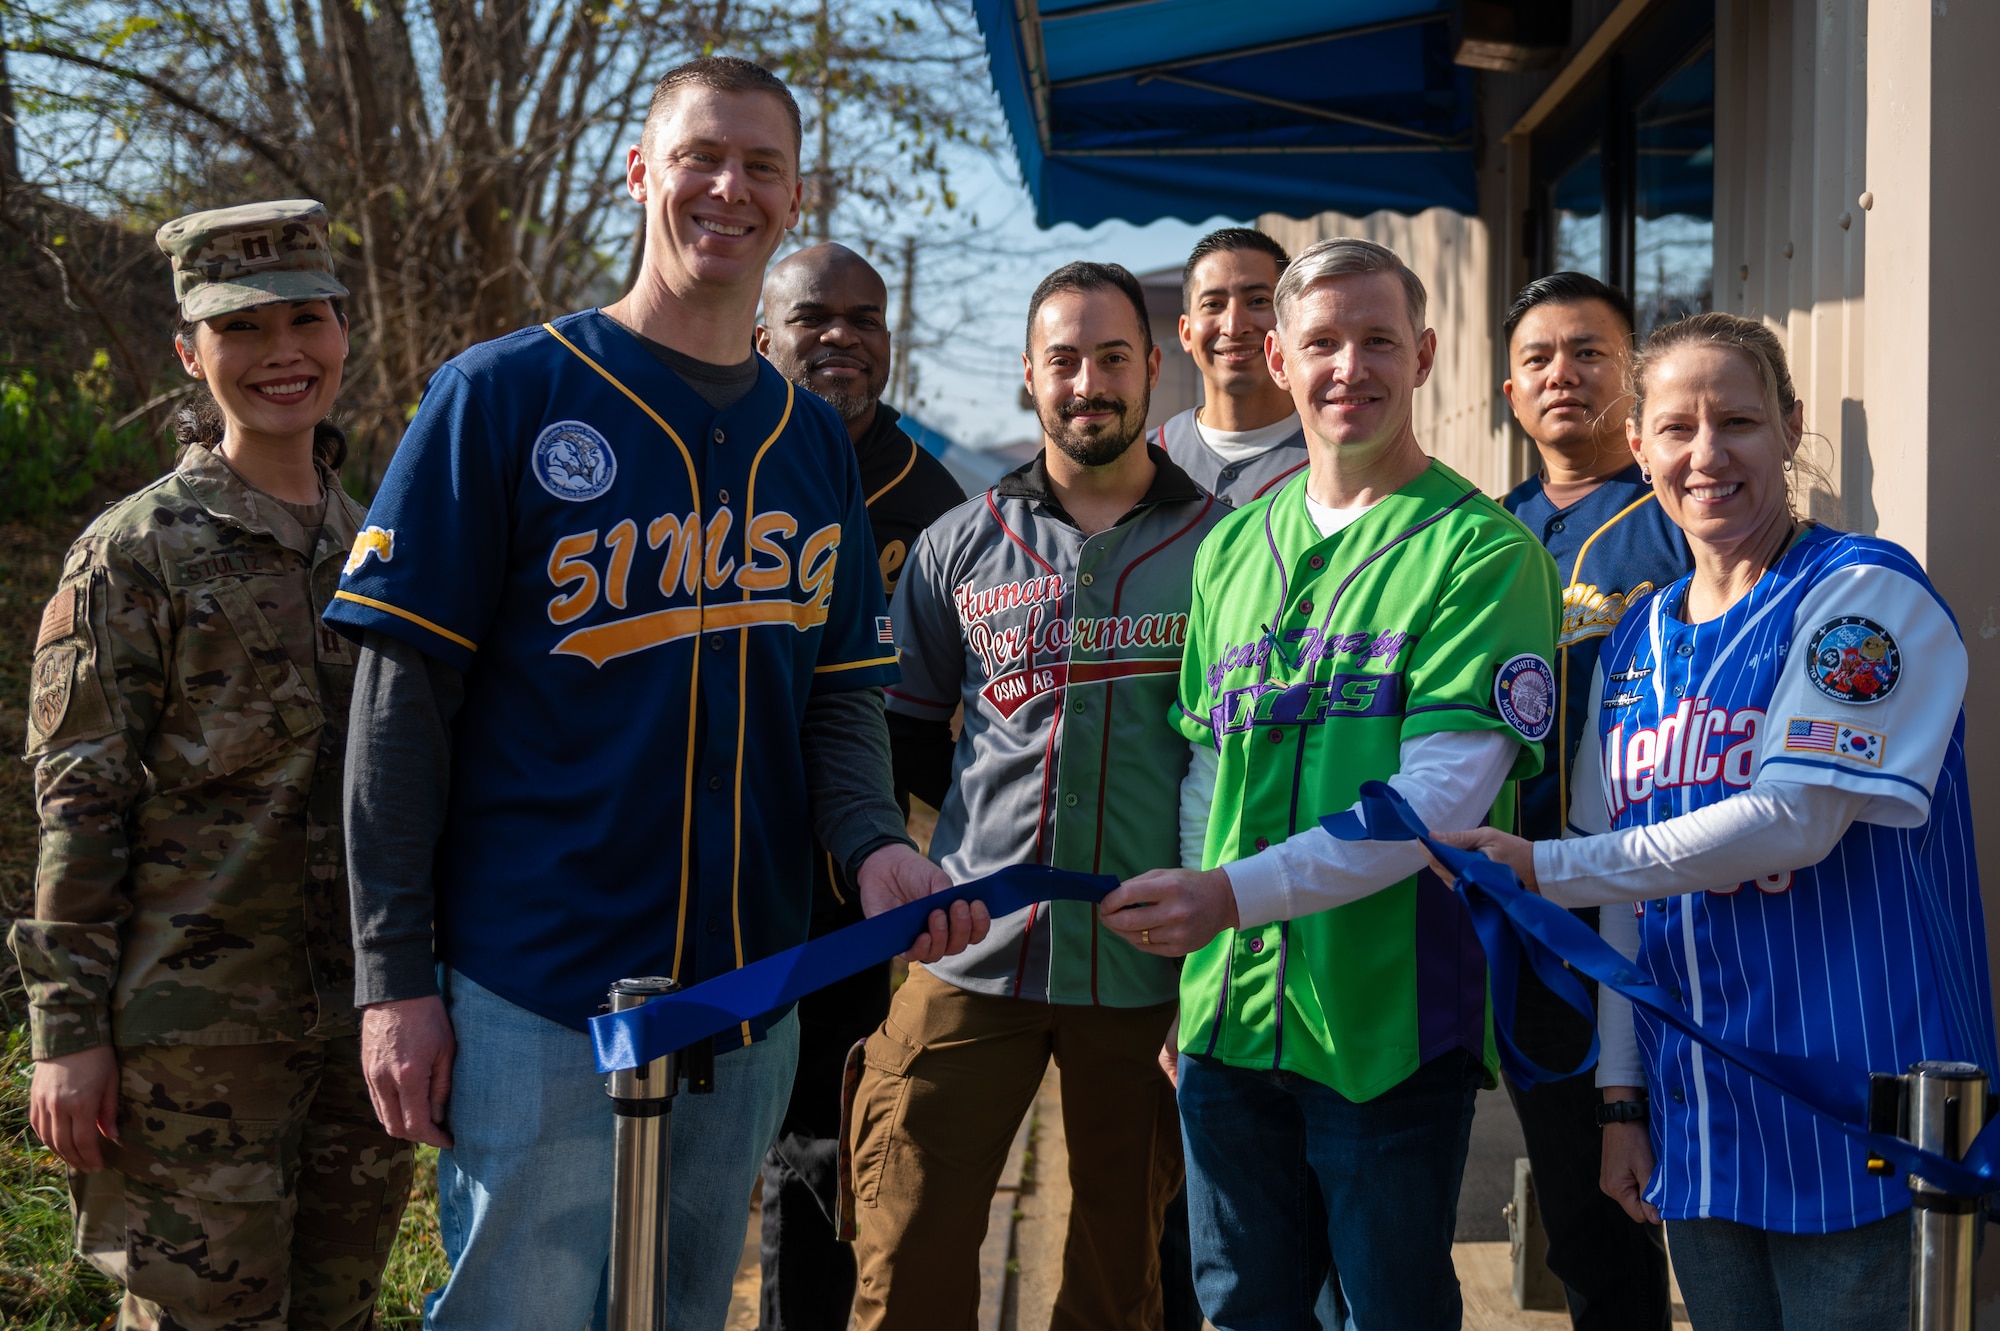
<point x="1946" y="1108"/>
<point x="642" y="1102"/>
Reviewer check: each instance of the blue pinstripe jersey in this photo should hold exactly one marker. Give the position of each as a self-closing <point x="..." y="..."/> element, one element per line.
<point x="1844" y="668"/>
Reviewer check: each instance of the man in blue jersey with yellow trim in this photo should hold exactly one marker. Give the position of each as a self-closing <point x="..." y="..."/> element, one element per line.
<point x="623" y="634"/>
<point x="1569" y="350"/>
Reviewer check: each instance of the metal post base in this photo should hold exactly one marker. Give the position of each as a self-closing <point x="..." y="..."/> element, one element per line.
<point x="642" y="1100"/>
<point x="1946" y="1108"/>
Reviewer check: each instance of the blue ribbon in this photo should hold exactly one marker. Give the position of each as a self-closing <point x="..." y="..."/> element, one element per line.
<point x="1512" y="922"/>
<point x="637" y="1036"/>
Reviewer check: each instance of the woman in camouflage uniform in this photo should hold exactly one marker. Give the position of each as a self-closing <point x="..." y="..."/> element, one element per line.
<point x="189" y="968"/>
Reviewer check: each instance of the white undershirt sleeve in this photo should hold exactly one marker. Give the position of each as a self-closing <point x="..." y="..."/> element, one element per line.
<point x="1449" y="777"/>
<point x="1618" y="1060"/>
<point x="1771" y="828"/>
<point x="1197" y="798"/>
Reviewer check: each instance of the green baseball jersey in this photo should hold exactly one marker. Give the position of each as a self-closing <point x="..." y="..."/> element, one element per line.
<point x="1309" y="661"/>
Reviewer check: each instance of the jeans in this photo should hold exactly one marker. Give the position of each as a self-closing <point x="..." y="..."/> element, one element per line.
<point x="1262" y="1147"/>
<point x="524" y="1195"/>
<point x="1735" y="1278"/>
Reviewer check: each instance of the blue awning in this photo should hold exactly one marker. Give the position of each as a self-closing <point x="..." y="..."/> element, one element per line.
<point x="1142" y="109"/>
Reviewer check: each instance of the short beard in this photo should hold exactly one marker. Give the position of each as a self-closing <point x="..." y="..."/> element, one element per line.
<point x="1099" y="449"/>
<point x="851" y="405"/>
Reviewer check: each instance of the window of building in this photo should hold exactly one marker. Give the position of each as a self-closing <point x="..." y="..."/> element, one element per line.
<point x="1624" y="171"/>
<point x="1673" y="214"/>
<point x="1577" y="206"/>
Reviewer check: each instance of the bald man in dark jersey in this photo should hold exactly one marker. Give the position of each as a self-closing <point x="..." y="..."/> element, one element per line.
<point x="824" y="327"/>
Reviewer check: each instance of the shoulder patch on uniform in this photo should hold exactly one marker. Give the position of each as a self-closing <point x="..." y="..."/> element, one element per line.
<point x="48" y="693"/>
<point x="573" y="461"/>
<point x="1854" y="660"/>
<point x="58" y="617"/>
<point x="377" y="541"/>
<point x="1524" y="691"/>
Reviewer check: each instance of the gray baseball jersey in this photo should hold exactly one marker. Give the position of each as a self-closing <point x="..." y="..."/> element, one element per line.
<point x="1065" y="650"/>
<point x="1234" y="483"/>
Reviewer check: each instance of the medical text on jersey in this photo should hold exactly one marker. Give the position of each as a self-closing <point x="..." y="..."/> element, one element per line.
<point x="1698" y="744"/>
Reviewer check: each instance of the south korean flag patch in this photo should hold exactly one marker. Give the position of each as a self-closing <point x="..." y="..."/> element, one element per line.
<point x="1524" y="693"/>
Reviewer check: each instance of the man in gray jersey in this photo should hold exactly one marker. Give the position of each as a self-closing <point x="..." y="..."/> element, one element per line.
<point x="1244" y="440"/>
<point x="1053" y="609"/>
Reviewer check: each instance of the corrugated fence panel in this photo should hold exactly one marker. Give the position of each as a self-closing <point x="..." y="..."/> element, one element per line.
<point x="1455" y="419"/>
<point x="1790" y="159"/>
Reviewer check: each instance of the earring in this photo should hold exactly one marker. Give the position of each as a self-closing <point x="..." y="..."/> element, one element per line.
<point x="1788" y="464"/>
<point x="1645" y="476"/>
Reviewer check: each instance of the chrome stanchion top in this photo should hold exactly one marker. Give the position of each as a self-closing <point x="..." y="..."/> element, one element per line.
<point x="1946" y="1108"/>
<point x="642" y="1101"/>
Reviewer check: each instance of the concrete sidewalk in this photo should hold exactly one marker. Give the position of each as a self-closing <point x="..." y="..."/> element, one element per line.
<point x="1021" y="1261"/>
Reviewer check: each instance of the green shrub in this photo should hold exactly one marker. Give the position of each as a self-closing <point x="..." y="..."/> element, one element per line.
<point x="57" y="441"/>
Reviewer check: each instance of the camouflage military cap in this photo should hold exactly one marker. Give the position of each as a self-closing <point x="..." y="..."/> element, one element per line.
<point x="253" y="254"/>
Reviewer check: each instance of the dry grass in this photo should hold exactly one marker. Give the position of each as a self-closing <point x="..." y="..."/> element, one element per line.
<point x="43" y="1287"/>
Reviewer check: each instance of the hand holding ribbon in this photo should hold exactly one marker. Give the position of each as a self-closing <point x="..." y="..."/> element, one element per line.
<point x="663" y="1025"/>
<point x="1511" y="921"/>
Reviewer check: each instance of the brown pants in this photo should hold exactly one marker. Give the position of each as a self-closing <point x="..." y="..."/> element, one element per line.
<point x="948" y="1077"/>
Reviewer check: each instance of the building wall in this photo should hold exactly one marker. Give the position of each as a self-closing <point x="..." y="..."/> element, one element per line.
<point x="1179" y="386"/>
<point x="1456" y="416"/>
<point x="1934" y="287"/>
<point x="1791" y="155"/>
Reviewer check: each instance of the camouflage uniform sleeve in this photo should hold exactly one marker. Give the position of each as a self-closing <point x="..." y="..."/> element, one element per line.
<point x="97" y="689"/>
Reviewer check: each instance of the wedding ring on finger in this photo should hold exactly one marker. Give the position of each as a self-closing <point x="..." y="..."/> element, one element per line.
<point x="1145" y="937"/>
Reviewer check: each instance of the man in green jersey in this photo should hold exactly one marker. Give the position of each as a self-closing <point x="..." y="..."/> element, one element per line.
<point x="1376" y="619"/>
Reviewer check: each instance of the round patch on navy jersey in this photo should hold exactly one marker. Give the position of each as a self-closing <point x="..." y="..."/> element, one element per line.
<point x="1525" y="693"/>
<point x="573" y="461"/>
<point x="1854" y="660"/>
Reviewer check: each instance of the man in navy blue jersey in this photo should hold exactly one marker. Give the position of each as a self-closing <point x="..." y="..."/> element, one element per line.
<point x="623" y="639"/>
<point x="1569" y="345"/>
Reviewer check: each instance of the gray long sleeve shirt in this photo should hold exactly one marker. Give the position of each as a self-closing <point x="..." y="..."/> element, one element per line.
<point x="398" y="781"/>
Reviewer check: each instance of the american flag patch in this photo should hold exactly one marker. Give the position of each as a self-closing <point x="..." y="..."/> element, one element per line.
<point x="883" y="632"/>
<point x="1812" y="736"/>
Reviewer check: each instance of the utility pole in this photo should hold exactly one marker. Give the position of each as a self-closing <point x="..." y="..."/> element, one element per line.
<point x="823" y="174"/>
<point x="903" y="374"/>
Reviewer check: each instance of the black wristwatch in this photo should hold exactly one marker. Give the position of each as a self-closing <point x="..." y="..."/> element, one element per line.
<point x="1621" y="1111"/>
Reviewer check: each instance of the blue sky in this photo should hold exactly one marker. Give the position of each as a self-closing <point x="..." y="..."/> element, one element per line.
<point x="970" y="387"/>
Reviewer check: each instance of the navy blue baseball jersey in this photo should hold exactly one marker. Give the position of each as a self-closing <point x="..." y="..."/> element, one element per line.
<point x="643" y="592"/>
<point x="1843" y="668"/>
<point x="1613" y="548"/>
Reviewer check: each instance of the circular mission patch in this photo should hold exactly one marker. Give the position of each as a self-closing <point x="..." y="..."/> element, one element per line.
<point x="573" y="461"/>
<point x="1854" y="660"/>
<point x="1525" y="693"/>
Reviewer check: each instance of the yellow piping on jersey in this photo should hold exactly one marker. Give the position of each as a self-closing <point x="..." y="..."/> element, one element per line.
<point x="401" y="613"/>
<point x="870" y="501"/>
<point x="694" y="679"/>
<point x="854" y="665"/>
<point x="742" y="686"/>
<point x="622" y="637"/>
<point x="1562" y="665"/>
